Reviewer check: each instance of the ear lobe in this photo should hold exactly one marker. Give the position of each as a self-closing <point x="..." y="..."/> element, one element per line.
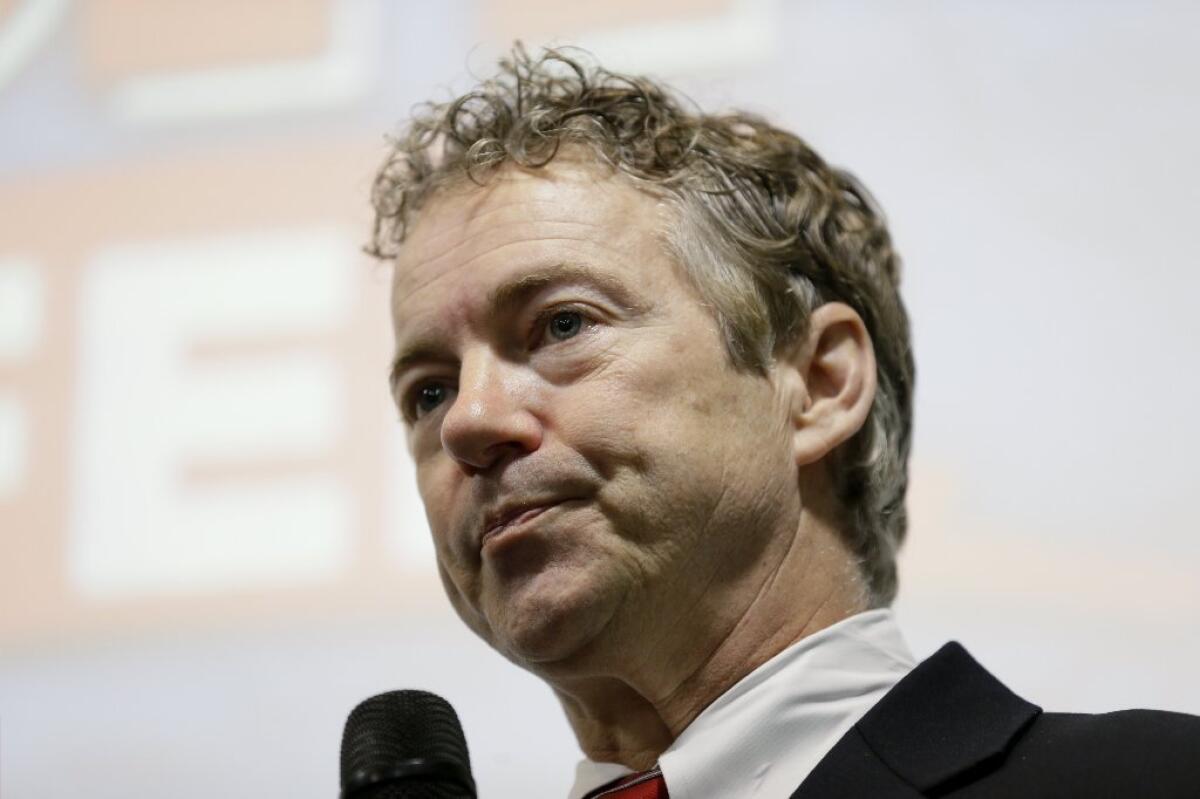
<point x="836" y="366"/>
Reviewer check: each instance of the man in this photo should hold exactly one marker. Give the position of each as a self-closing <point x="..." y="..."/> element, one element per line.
<point x="657" y="381"/>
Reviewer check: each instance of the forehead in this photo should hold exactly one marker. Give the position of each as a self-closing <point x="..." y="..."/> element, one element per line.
<point x="469" y="237"/>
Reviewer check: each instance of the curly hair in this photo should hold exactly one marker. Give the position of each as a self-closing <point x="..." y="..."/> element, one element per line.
<point x="768" y="232"/>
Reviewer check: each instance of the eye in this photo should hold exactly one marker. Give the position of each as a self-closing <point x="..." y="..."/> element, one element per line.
<point x="425" y="398"/>
<point x="563" y="325"/>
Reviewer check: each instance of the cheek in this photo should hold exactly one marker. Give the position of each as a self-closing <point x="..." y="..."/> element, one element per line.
<point x="702" y="424"/>
<point x="648" y="427"/>
<point x="466" y="610"/>
<point x="605" y="419"/>
<point x="436" y="487"/>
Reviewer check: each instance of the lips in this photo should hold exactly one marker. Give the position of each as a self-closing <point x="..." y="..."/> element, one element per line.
<point x="513" y="516"/>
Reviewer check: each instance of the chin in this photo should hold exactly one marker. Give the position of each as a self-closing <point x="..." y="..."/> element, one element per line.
<point x="544" y="625"/>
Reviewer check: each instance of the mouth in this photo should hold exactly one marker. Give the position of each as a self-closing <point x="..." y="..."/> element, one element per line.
<point x="512" y="517"/>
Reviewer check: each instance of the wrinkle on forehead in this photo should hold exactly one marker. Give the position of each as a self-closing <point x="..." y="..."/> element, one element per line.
<point x="428" y="271"/>
<point x="570" y="204"/>
<point x="468" y="213"/>
<point x="469" y="204"/>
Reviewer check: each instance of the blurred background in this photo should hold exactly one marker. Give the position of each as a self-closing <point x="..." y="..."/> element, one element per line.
<point x="210" y="542"/>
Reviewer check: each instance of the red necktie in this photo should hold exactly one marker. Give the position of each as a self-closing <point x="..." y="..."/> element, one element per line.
<point x="644" y="785"/>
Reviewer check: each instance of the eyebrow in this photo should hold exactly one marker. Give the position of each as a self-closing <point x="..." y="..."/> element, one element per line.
<point x="515" y="293"/>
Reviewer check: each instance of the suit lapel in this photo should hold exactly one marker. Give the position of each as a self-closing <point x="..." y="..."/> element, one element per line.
<point x="852" y="770"/>
<point x="947" y="723"/>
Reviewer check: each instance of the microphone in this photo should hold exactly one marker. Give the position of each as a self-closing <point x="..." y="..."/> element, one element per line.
<point x="405" y="745"/>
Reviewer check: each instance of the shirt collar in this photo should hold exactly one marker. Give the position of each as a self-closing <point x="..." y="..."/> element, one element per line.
<point x="764" y="735"/>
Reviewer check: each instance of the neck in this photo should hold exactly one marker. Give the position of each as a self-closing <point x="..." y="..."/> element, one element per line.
<point x="632" y="716"/>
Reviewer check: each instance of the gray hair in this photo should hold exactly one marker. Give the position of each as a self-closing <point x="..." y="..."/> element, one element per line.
<point x="769" y="233"/>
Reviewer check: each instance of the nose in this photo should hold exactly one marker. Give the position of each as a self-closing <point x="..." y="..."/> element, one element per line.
<point x="490" y="420"/>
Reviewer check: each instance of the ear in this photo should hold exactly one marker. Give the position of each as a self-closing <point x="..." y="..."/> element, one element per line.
<point x="834" y="370"/>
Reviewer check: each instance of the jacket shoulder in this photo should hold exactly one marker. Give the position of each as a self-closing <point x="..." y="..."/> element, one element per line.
<point x="951" y="730"/>
<point x="1123" y="734"/>
<point x="1144" y="753"/>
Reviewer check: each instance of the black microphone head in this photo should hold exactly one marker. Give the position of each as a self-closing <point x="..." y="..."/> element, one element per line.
<point x="405" y="745"/>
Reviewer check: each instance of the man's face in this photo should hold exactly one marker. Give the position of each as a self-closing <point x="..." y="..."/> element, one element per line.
<point x="596" y="473"/>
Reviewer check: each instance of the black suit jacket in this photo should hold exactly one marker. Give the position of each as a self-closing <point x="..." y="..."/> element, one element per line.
<point x="951" y="729"/>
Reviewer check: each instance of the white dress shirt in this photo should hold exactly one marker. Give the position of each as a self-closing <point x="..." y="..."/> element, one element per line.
<point x="762" y="737"/>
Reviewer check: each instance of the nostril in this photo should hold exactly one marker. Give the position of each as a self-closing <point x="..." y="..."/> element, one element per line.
<point x="487" y="421"/>
<point x="481" y="434"/>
